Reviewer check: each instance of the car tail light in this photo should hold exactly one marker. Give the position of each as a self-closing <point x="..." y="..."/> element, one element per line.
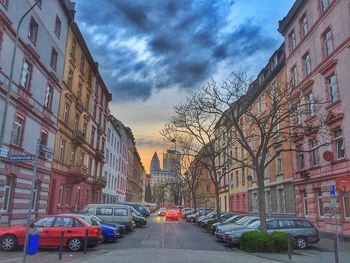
<point x="96" y="231"/>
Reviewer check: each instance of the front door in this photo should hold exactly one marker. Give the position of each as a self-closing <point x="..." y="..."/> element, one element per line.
<point x="45" y="228"/>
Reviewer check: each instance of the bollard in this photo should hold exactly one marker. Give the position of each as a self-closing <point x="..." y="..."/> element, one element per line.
<point x="60" y="249"/>
<point x="86" y="241"/>
<point x="336" y="249"/>
<point x="289" y="247"/>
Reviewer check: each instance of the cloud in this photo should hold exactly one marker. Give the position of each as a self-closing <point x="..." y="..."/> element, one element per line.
<point x="145" y="45"/>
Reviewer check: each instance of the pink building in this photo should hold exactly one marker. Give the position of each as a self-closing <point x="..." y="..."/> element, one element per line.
<point x="317" y="40"/>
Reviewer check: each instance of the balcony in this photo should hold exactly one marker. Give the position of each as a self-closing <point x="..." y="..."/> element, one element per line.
<point x="100" y="154"/>
<point x="77" y="174"/>
<point x="100" y="130"/>
<point x="78" y="137"/>
<point x="99" y="183"/>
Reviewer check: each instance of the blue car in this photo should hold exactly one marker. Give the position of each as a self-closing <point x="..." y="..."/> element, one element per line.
<point x="108" y="232"/>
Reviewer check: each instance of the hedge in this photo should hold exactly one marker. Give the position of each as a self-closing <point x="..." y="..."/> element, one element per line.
<point x="256" y="241"/>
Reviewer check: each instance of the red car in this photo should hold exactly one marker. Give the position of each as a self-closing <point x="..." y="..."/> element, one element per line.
<point x="172" y="214"/>
<point x="50" y="228"/>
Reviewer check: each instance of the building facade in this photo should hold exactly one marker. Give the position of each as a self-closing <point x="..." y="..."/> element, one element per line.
<point x="80" y="140"/>
<point x="317" y="50"/>
<point x="279" y="189"/>
<point x="34" y="101"/>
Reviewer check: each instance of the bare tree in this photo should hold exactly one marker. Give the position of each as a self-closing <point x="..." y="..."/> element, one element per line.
<point x="263" y="120"/>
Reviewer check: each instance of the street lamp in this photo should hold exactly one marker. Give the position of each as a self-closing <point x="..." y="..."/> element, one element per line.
<point x="8" y="93"/>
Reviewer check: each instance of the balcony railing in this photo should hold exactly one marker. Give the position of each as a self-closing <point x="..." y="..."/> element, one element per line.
<point x="79" y="136"/>
<point x="77" y="173"/>
<point x="100" y="154"/>
<point x="99" y="182"/>
<point x="80" y="105"/>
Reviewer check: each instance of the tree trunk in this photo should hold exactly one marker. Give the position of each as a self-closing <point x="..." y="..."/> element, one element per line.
<point x="262" y="203"/>
<point x="217" y="199"/>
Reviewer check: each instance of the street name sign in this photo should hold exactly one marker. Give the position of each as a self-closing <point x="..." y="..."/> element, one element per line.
<point x="4" y="152"/>
<point x="21" y="158"/>
<point x="46" y="149"/>
<point x="332" y="190"/>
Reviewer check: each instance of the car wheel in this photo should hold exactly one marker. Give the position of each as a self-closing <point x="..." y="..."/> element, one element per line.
<point x="8" y="243"/>
<point x="192" y="220"/>
<point x="301" y="242"/>
<point x="103" y="238"/>
<point x="75" y="244"/>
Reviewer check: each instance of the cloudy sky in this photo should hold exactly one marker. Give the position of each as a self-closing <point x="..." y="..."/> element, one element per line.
<point x="153" y="52"/>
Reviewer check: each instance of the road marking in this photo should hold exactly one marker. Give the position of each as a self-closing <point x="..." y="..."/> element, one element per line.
<point x="11" y="260"/>
<point x="163" y="235"/>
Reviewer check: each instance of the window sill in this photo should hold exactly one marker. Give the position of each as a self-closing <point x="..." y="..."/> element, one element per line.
<point x="341" y="160"/>
<point x="332" y="105"/>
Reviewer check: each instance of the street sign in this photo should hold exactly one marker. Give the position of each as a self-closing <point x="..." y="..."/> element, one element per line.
<point x="46" y="149"/>
<point x="4" y="152"/>
<point x="21" y="158"/>
<point x="332" y="191"/>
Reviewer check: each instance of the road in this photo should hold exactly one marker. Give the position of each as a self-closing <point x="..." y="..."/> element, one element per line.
<point x="172" y="241"/>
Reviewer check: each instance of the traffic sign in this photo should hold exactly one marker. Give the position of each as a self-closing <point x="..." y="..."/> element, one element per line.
<point x="332" y="190"/>
<point x="44" y="148"/>
<point x="4" y="152"/>
<point x="21" y="158"/>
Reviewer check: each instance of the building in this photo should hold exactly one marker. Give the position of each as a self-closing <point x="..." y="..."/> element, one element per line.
<point x="317" y="50"/>
<point x="205" y="197"/>
<point x="80" y="140"/>
<point x="172" y="161"/>
<point x="155" y="163"/>
<point x="279" y="190"/>
<point x="34" y="101"/>
<point x="116" y="160"/>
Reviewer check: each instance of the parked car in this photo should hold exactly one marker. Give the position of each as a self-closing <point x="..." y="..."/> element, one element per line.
<point x="108" y="232"/>
<point x="120" y="227"/>
<point x="214" y="219"/>
<point x="161" y="211"/>
<point x="51" y="226"/>
<point x="232" y="219"/>
<point x="208" y="216"/>
<point x="115" y="213"/>
<point x="171" y="214"/>
<point x="192" y="217"/>
<point x="187" y="212"/>
<point x="301" y="229"/>
<point x="242" y="223"/>
<point x="138" y="218"/>
<point x="139" y="208"/>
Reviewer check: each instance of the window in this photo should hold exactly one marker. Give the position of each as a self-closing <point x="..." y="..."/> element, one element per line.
<point x="94" y="112"/>
<point x="70" y="79"/>
<point x="76" y="121"/>
<point x="301" y="158"/>
<point x="307" y="64"/>
<point x="306" y="210"/>
<point x="45" y="222"/>
<point x="328" y="43"/>
<point x="120" y="212"/>
<point x="294" y="76"/>
<point x="272" y="225"/>
<point x="92" y="139"/>
<point x="310" y="104"/>
<point x="286" y="224"/>
<point x="66" y="113"/>
<point x="314" y="153"/>
<point x="339" y="144"/>
<point x="324" y="5"/>
<point x="104" y="211"/>
<point x="302" y="224"/>
<point x="64" y="222"/>
<point x="44" y="139"/>
<point x="279" y="164"/>
<point x="243" y="176"/>
<point x="82" y="62"/>
<point x="333" y="88"/>
<point x="17" y="131"/>
<point x="54" y="56"/>
<point x="60" y="195"/>
<point x="6" y="194"/>
<point x="26" y="74"/>
<point x="208" y="188"/>
<point x="48" y="97"/>
<point x="33" y="30"/>
<point x="62" y="150"/>
<point x="73" y="47"/>
<point x="346" y="202"/>
<point x="292" y="40"/>
<point x="281" y="200"/>
<point x="320" y="203"/>
<point x="297" y="116"/>
<point x="304" y="25"/>
<point x="261" y="104"/>
<point x="58" y="26"/>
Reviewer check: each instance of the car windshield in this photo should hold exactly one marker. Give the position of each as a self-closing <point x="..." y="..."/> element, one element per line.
<point x="162" y="210"/>
<point x="248" y="222"/>
<point x="243" y="220"/>
<point x="254" y="225"/>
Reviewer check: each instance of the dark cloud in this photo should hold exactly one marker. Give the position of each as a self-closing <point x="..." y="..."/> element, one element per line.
<point x="161" y="43"/>
<point x="150" y="142"/>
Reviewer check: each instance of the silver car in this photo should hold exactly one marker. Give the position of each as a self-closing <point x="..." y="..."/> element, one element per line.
<point x="303" y="231"/>
<point x="241" y="223"/>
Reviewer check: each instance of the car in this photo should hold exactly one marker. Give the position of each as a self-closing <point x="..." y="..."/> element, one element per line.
<point x="192" y="217"/>
<point x="138" y="218"/>
<point x="211" y="220"/>
<point x="171" y="214"/>
<point x="139" y="208"/>
<point x="187" y="212"/>
<point x="120" y="227"/>
<point x="161" y="211"/>
<point x="115" y="213"/>
<point x="50" y="227"/>
<point x="232" y="219"/>
<point x="242" y="223"/>
<point x="203" y="221"/>
<point x="108" y="233"/>
<point x="303" y="231"/>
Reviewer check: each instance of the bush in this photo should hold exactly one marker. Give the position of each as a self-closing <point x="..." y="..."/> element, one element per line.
<point x="256" y="241"/>
<point x="280" y="240"/>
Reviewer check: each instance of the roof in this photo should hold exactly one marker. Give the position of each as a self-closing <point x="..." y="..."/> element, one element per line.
<point x="285" y="23"/>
